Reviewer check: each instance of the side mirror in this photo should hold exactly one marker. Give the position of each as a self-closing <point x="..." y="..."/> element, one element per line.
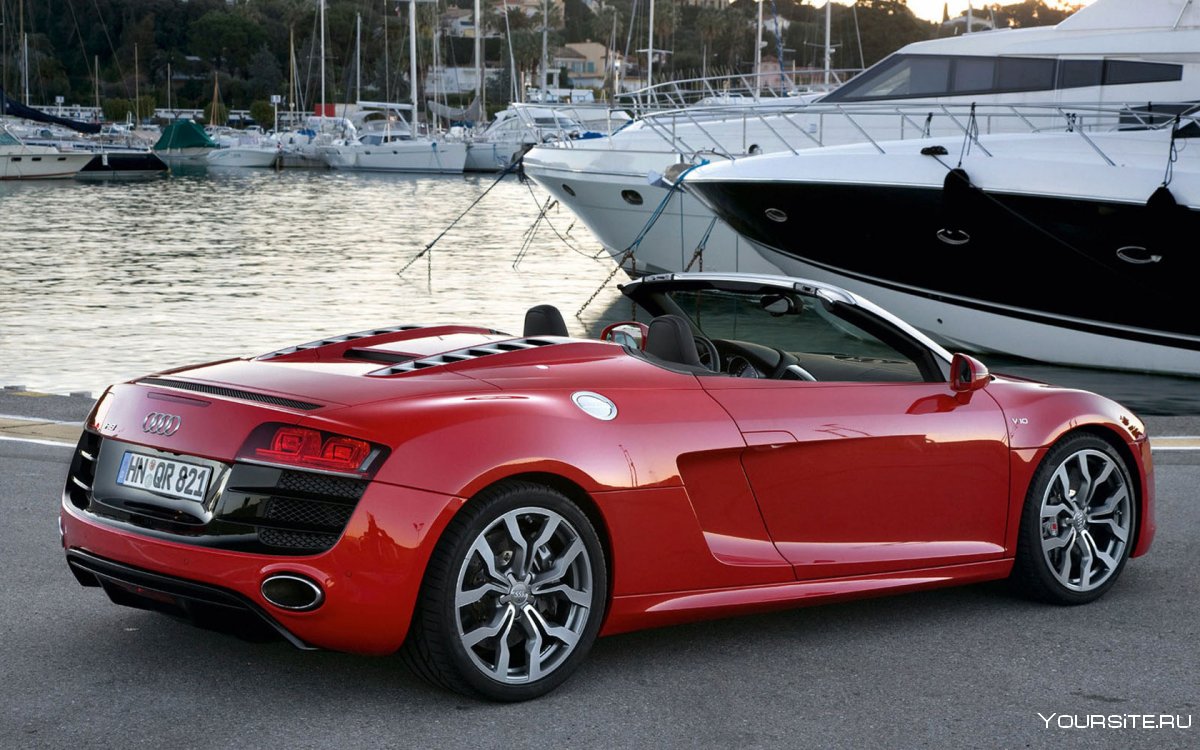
<point x="630" y="334"/>
<point x="968" y="374"/>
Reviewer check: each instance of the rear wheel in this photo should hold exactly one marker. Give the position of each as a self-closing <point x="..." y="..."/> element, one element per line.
<point x="513" y="596"/>
<point x="1077" y="525"/>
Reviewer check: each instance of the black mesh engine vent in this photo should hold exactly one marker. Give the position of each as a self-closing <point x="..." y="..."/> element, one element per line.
<point x="461" y="355"/>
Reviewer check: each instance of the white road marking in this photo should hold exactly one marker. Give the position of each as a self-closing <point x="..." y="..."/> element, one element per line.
<point x="37" y="441"/>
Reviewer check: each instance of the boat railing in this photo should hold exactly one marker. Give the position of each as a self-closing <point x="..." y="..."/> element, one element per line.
<point x="766" y="85"/>
<point x="732" y="131"/>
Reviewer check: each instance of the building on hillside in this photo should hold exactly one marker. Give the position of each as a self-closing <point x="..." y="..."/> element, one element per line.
<point x="533" y="8"/>
<point x="456" y="80"/>
<point x="587" y="63"/>
<point x="457" y="22"/>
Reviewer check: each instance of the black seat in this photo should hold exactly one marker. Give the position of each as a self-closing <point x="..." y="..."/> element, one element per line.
<point x="544" y="320"/>
<point x="670" y="339"/>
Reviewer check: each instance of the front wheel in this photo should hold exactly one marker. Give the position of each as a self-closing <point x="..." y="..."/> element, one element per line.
<point x="513" y="596"/>
<point x="1078" y="523"/>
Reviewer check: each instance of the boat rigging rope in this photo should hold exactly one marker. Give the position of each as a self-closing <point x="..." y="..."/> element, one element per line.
<point x="1172" y="155"/>
<point x="630" y="252"/>
<point x="507" y="170"/>
<point x="532" y="230"/>
<point x="699" y="254"/>
<point x="543" y="217"/>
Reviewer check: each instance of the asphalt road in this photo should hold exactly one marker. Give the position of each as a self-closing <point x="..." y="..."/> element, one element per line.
<point x="967" y="667"/>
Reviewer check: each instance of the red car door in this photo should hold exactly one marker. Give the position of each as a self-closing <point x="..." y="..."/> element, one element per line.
<point x="857" y="478"/>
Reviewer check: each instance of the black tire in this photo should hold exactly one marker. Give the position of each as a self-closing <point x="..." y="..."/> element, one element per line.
<point x="1071" y="552"/>
<point x="514" y="603"/>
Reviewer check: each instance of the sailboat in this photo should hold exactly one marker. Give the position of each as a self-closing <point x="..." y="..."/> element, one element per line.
<point x="390" y="141"/>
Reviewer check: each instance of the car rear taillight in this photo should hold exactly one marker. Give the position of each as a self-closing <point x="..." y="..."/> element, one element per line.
<point x="308" y="448"/>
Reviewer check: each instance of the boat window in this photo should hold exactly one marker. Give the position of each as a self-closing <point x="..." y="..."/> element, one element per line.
<point x="1026" y="74"/>
<point x="1077" y="73"/>
<point x="1118" y="72"/>
<point x="6" y="139"/>
<point x="908" y="76"/>
<point x="974" y="74"/>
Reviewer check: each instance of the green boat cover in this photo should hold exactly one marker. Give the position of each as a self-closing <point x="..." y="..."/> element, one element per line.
<point x="184" y="134"/>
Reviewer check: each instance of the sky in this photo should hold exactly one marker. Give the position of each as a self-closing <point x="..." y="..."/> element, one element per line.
<point x="932" y="9"/>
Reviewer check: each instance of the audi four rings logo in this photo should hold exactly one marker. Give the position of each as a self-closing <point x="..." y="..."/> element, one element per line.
<point x="158" y="423"/>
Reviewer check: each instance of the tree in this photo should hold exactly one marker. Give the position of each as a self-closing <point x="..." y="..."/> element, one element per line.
<point x="263" y="74"/>
<point x="225" y="38"/>
<point x="262" y="112"/>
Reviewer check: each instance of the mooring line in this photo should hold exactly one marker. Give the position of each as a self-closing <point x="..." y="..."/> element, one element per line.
<point x="425" y="251"/>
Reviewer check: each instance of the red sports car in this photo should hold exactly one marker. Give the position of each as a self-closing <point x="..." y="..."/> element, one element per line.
<point x="488" y="504"/>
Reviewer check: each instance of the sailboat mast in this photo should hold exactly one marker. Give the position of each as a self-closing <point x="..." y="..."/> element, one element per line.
<point x="545" y="32"/>
<point x="137" y="91"/>
<point x="168" y="87"/>
<point x="412" y="60"/>
<point x="358" y="57"/>
<point x="758" y="51"/>
<point x="650" y="49"/>
<point x="96" y="83"/>
<point x="828" y="48"/>
<point x="24" y="42"/>
<point x="512" y="60"/>
<point x="616" y="62"/>
<point x="479" y="56"/>
<point x="322" y="15"/>
<point x="4" y="46"/>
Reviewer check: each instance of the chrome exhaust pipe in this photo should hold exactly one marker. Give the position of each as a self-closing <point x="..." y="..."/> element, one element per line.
<point x="292" y="592"/>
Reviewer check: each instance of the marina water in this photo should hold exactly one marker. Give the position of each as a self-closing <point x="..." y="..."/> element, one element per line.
<point x="105" y="282"/>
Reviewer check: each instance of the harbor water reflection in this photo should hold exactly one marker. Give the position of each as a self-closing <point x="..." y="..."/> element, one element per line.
<point x="104" y="282"/>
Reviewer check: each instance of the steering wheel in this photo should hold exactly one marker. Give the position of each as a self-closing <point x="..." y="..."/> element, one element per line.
<point x="624" y="339"/>
<point x="789" y="369"/>
<point x="707" y="350"/>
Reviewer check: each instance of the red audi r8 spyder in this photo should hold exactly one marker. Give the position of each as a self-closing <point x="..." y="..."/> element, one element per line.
<point x="489" y="504"/>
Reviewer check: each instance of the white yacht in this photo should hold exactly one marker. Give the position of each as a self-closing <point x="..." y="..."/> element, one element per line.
<point x="1115" y="52"/>
<point x="522" y="126"/>
<point x="515" y="130"/>
<point x="19" y="161"/>
<point x="1069" y="247"/>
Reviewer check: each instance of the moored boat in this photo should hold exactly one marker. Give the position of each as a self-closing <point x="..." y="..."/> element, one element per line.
<point x="1115" y="52"/>
<point x="19" y="161"/>
<point x="184" y="142"/>
<point x="1065" y="247"/>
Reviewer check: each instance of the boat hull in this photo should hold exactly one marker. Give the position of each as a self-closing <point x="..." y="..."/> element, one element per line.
<point x="1087" y="282"/>
<point x="123" y="166"/>
<point x="620" y="207"/>
<point x="258" y="158"/>
<point x="418" y="157"/>
<point x="38" y="165"/>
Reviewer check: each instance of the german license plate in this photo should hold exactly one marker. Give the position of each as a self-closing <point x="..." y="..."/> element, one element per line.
<point x="166" y="476"/>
